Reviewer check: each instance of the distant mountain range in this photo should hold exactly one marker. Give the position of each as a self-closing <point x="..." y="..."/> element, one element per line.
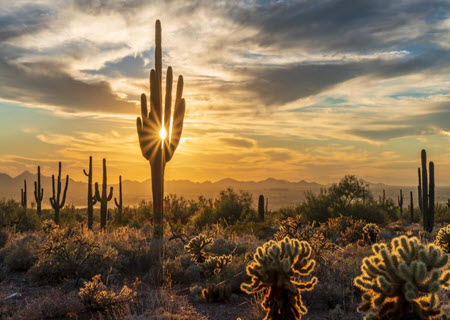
<point x="281" y="193"/>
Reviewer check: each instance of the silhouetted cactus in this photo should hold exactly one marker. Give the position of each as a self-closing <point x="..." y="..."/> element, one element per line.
<point x="56" y="201"/>
<point x="38" y="192"/>
<point x="400" y="202"/>
<point x="216" y="292"/>
<point x="196" y="247"/>
<point x="261" y="207"/>
<point x="119" y="204"/>
<point x="443" y="239"/>
<point x="448" y="203"/>
<point x="411" y="207"/>
<point x="23" y="195"/>
<point x="419" y="190"/>
<point x="402" y="282"/>
<point x="213" y="265"/>
<point x="370" y="233"/>
<point x="159" y="148"/>
<point x="276" y="268"/>
<point x="103" y="198"/>
<point x="428" y="192"/>
<point x="91" y="198"/>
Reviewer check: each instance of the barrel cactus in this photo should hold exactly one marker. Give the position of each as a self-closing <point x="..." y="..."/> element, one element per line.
<point x="443" y="239"/>
<point x="276" y="268"/>
<point x="402" y="282"/>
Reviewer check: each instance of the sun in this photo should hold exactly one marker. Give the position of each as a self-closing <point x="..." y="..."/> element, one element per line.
<point x="162" y="133"/>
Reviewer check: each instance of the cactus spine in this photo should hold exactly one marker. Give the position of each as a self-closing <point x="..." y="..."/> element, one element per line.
<point x="38" y="192"/>
<point x="428" y="193"/>
<point x="400" y="202"/>
<point x="91" y="198"/>
<point x="56" y="201"/>
<point x="159" y="148"/>
<point x="23" y="195"/>
<point x="403" y="282"/>
<point x="276" y="268"/>
<point x="411" y="206"/>
<point x="103" y="198"/>
<point x="119" y="204"/>
<point x="261" y="207"/>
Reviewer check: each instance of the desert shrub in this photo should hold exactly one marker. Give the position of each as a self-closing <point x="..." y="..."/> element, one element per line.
<point x="443" y="239"/>
<point x="231" y="206"/>
<point x="275" y="269"/>
<point x="70" y="253"/>
<point x="178" y="210"/>
<point x="289" y="227"/>
<point x="342" y="230"/>
<point x="353" y="233"/>
<point x="21" y="254"/>
<point x="96" y="296"/>
<point x="3" y="237"/>
<point x="12" y="214"/>
<point x="402" y="282"/>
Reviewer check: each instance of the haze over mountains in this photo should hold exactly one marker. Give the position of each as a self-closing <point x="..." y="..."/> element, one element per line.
<point x="281" y="193"/>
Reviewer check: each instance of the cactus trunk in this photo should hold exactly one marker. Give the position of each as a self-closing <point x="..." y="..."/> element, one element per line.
<point x="431" y="196"/>
<point x="411" y="206"/>
<point x="23" y="195"/>
<point x="419" y="190"/>
<point x="56" y="201"/>
<point x="91" y="198"/>
<point x="119" y="204"/>
<point x="103" y="198"/>
<point x="428" y="193"/>
<point x="400" y="202"/>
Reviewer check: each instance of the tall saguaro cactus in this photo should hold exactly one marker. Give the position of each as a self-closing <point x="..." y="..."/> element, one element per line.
<point x="158" y="140"/>
<point x="419" y="190"/>
<point x="428" y="193"/>
<point x="411" y="206"/>
<point x="103" y="198"/>
<point x="23" y="195"/>
<point x="56" y="201"/>
<point x="38" y="192"/>
<point x="261" y="207"/>
<point x="400" y="202"/>
<point x="91" y="198"/>
<point x="119" y="204"/>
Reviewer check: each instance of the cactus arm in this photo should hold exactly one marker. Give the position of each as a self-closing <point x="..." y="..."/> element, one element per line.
<point x="178" y="119"/>
<point x="117" y="204"/>
<point x="168" y="104"/>
<point x="431" y="198"/>
<point x="63" y="201"/>
<point x="94" y="200"/>
<point x="110" y="194"/>
<point x="85" y="173"/>
<point x="36" y="196"/>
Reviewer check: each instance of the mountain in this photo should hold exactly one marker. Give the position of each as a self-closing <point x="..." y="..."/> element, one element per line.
<point x="281" y="193"/>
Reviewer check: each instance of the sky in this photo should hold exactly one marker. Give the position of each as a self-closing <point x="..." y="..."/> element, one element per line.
<point x="296" y="90"/>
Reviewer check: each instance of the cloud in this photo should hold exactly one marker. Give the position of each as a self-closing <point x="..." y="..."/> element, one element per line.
<point x="238" y="142"/>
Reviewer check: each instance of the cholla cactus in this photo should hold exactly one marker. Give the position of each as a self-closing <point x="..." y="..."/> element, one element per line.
<point x="216" y="292"/>
<point x="195" y="247"/>
<point x="402" y="282"/>
<point x="370" y="233"/>
<point x="443" y="239"/>
<point x="214" y="265"/>
<point x="276" y="268"/>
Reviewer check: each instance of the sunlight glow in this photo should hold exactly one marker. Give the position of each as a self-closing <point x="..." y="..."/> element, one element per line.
<point x="162" y="133"/>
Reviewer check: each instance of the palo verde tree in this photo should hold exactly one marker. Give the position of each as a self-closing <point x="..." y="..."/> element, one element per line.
<point x="91" y="198"/>
<point x="38" y="192"/>
<point x="158" y="141"/>
<point x="103" y="198"/>
<point x="56" y="201"/>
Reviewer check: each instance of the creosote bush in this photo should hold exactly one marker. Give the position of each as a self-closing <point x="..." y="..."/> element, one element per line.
<point x="443" y="239"/>
<point x="402" y="282"/>
<point x="96" y="296"/>
<point x="276" y="269"/>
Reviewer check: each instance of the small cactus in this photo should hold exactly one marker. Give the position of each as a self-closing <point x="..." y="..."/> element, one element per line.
<point x="402" y="282"/>
<point x="443" y="239"/>
<point x="38" y="192"/>
<point x="195" y="247"/>
<point x="261" y="207"/>
<point x="370" y="233"/>
<point x="216" y="292"/>
<point x="56" y="201"/>
<point x="23" y="195"/>
<point x="276" y="268"/>
<point x="213" y="265"/>
<point x="103" y="198"/>
<point x="400" y="202"/>
<point x="119" y="204"/>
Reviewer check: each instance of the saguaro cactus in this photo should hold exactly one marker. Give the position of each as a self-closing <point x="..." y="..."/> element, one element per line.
<point x="158" y="141"/>
<point x="419" y="190"/>
<point x="400" y="202"/>
<point x="428" y="193"/>
<point x="91" y="198"/>
<point x="38" y="192"/>
<point x="261" y="207"/>
<point x="103" y="198"/>
<point x="402" y="282"/>
<point x="56" y="201"/>
<point x="411" y="206"/>
<point x="23" y="195"/>
<point x="119" y="204"/>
